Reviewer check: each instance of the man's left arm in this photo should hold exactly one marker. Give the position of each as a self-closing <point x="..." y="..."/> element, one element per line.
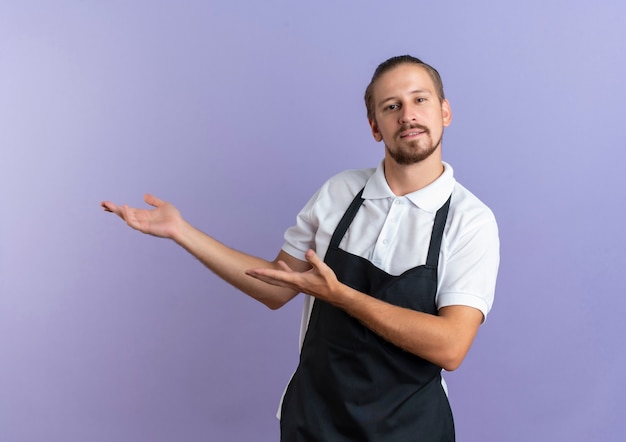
<point x="442" y="339"/>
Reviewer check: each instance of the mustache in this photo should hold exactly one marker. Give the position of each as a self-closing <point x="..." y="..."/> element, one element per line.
<point x="408" y="126"/>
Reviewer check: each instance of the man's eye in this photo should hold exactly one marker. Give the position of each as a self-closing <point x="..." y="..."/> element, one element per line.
<point x="393" y="107"/>
<point x="421" y="100"/>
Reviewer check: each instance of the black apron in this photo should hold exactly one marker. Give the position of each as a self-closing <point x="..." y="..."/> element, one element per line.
<point x="353" y="385"/>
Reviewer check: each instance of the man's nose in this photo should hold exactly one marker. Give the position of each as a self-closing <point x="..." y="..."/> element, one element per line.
<point x="407" y="115"/>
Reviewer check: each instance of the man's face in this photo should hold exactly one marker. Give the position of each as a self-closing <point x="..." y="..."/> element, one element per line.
<point x="409" y="117"/>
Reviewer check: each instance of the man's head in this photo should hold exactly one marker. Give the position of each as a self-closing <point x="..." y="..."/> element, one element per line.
<point x="407" y="109"/>
<point x="391" y="63"/>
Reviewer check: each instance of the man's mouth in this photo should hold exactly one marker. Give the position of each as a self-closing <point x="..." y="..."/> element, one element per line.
<point x="412" y="132"/>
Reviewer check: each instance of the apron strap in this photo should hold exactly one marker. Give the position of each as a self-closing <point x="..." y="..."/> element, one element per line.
<point x="441" y="216"/>
<point x="347" y="218"/>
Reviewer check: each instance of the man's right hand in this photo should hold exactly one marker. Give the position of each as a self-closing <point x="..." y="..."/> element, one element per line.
<point x="229" y="264"/>
<point x="163" y="221"/>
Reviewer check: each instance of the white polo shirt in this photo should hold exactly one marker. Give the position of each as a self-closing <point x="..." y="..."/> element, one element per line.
<point x="394" y="233"/>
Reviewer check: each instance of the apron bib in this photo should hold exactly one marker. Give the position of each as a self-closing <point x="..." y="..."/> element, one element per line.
<point x="353" y="385"/>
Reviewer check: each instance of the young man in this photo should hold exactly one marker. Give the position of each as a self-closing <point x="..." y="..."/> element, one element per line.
<point x="398" y="264"/>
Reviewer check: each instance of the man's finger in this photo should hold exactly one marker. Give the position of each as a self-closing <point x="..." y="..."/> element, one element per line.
<point x="108" y="206"/>
<point x="312" y="258"/>
<point x="272" y="277"/>
<point x="283" y="265"/>
<point x="153" y="200"/>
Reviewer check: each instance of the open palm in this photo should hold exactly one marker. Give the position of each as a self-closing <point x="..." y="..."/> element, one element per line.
<point x="162" y="221"/>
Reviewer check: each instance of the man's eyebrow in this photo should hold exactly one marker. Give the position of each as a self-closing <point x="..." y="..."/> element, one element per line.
<point x="413" y="92"/>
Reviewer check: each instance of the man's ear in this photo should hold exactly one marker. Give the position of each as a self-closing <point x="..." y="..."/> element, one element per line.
<point x="446" y="113"/>
<point x="375" y="131"/>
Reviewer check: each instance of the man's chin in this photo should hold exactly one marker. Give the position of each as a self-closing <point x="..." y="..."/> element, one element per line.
<point x="404" y="158"/>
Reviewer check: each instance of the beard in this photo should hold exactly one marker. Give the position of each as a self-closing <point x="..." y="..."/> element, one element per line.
<point x="415" y="151"/>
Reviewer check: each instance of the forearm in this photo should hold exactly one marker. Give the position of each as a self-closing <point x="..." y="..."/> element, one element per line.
<point x="441" y="339"/>
<point x="230" y="265"/>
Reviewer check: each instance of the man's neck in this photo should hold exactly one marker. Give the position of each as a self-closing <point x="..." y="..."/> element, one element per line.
<point x="405" y="179"/>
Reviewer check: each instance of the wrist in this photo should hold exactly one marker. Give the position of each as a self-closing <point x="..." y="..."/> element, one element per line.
<point x="344" y="296"/>
<point x="181" y="233"/>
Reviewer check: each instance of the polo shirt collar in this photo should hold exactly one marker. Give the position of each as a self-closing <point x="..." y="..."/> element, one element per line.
<point x="430" y="198"/>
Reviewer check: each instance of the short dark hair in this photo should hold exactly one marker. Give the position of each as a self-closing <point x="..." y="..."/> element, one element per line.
<point x="391" y="63"/>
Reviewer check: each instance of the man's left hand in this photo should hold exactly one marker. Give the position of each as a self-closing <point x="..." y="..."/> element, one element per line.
<point x="320" y="281"/>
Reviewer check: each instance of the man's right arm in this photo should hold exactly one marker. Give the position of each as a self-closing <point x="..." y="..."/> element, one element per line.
<point x="166" y="222"/>
<point x="230" y="265"/>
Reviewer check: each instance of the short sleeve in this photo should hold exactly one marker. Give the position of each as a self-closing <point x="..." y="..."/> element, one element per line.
<point x="471" y="267"/>
<point x="301" y="237"/>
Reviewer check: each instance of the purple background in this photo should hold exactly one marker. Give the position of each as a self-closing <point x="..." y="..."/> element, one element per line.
<point x="237" y="111"/>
